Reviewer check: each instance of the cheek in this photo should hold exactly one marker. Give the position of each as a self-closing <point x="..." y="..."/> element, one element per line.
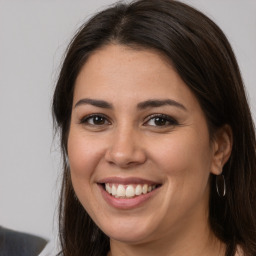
<point x="185" y="162"/>
<point x="84" y="154"/>
<point x="184" y="157"/>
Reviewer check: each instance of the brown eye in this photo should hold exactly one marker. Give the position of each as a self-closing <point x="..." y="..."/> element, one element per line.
<point x="96" y="120"/>
<point x="160" y="120"/>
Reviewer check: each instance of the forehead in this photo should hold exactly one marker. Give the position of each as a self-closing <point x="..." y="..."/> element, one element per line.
<point x="117" y="72"/>
<point x="114" y="59"/>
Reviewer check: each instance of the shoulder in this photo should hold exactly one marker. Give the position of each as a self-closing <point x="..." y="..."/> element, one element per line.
<point x="13" y="243"/>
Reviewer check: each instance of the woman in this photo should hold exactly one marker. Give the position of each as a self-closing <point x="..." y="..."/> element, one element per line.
<point x="157" y="137"/>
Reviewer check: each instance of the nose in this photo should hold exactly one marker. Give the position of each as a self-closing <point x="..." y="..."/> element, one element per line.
<point x="126" y="148"/>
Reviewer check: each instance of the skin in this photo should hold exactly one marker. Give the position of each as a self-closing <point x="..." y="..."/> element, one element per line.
<point x="129" y="142"/>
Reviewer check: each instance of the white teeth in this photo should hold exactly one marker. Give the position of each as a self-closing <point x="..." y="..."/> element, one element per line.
<point x="108" y="188"/>
<point x="120" y="191"/>
<point x="128" y="191"/>
<point x="113" y="190"/>
<point x="138" y="190"/>
<point x="145" y="189"/>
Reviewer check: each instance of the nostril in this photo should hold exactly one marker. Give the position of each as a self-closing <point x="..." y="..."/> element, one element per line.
<point x="125" y="151"/>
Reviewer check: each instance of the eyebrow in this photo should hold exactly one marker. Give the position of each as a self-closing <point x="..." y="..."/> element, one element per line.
<point x="159" y="103"/>
<point x="152" y="103"/>
<point x="94" y="102"/>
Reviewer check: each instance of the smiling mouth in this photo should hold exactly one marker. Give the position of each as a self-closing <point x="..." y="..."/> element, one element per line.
<point x="128" y="191"/>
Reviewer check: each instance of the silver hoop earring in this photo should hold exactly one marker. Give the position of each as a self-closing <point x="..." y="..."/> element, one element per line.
<point x="67" y="163"/>
<point x="66" y="160"/>
<point x="75" y="197"/>
<point x="221" y="185"/>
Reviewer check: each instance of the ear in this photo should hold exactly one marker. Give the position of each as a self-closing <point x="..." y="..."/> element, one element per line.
<point x="222" y="147"/>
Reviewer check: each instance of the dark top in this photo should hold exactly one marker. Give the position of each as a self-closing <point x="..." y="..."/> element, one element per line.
<point x="13" y="243"/>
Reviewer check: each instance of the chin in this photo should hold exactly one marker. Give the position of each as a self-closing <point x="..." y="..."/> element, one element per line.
<point x="131" y="238"/>
<point x="130" y="233"/>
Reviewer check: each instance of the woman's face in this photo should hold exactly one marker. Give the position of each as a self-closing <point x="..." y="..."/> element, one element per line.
<point x="139" y="148"/>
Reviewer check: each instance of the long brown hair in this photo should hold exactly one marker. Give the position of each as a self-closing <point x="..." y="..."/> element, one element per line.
<point x="202" y="56"/>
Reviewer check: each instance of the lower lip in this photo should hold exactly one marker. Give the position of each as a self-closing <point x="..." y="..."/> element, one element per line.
<point x="126" y="203"/>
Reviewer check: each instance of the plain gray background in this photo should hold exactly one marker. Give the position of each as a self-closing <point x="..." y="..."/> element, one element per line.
<point x="33" y="37"/>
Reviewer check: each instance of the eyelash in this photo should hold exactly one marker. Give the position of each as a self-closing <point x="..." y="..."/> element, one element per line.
<point x="164" y="120"/>
<point x="86" y="119"/>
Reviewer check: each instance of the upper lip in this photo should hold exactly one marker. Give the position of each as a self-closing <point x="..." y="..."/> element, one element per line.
<point x="127" y="180"/>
